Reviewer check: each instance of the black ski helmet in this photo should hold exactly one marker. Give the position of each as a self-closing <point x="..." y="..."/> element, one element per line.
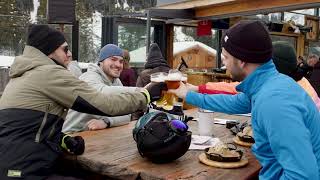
<point x="160" y="138"/>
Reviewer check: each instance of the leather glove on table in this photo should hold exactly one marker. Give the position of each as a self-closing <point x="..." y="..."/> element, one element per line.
<point x="154" y="90"/>
<point x="74" y="145"/>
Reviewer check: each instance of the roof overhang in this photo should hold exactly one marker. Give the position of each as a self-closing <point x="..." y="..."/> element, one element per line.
<point x="217" y="9"/>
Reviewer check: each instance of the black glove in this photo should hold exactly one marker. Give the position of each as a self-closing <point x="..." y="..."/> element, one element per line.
<point x="74" y="145"/>
<point x="155" y="90"/>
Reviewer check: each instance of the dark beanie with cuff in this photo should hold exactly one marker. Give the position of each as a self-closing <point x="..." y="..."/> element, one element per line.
<point x="284" y="57"/>
<point x="45" y="38"/>
<point x="248" y="41"/>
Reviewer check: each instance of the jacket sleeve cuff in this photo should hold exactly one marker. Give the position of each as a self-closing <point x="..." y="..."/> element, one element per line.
<point x="107" y="121"/>
<point x="147" y="95"/>
<point x="202" y="88"/>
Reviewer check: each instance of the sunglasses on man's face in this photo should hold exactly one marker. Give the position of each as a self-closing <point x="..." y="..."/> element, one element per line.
<point x="66" y="49"/>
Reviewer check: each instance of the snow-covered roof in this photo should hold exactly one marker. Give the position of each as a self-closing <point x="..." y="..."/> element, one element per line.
<point x="179" y="47"/>
<point x="6" y="61"/>
<point x="139" y="55"/>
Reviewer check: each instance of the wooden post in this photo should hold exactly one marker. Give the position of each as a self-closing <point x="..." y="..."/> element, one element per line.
<point x="61" y="27"/>
<point x="170" y="34"/>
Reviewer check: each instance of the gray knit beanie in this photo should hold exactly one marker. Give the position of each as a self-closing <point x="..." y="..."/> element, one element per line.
<point x="109" y="50"/>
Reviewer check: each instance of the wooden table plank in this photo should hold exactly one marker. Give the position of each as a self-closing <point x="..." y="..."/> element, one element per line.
<point x="113" y="152"/>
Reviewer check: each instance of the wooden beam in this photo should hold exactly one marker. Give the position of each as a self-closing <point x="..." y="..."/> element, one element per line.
<point x="193" y="4"/>
<point x="300" y="45"/>
<point x="172" y="13"/>
<point x="252" y="7"/>
<point x="285" y="34"/>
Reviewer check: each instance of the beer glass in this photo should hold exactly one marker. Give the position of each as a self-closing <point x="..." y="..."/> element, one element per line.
<point x="173" y="82"/>
<point x="184" y="78"/>
<point x="173" y="79"/>
<point x="156" y="78"/>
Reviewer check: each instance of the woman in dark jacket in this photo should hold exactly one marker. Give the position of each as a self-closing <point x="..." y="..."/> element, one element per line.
<point x="155" y="63"/>
<point x="127" y="76"/>
<point x="315" y="77"/>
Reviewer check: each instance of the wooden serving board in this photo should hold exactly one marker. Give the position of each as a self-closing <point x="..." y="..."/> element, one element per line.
<point x="224" y="165"/>
<point x="241" y="143"/>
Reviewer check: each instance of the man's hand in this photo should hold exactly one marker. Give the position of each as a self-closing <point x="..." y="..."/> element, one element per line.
<point x="192" y="87"/>
<point x="147" y="85"/>
<point x="96" y="124"/>
<point x="74" y="145"/>
<point x="155" y="90"/>
<point x="181" y="92"/>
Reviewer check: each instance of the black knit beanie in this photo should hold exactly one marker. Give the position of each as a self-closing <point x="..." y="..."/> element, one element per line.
<point x="248" y="41"/>
<point x="284" y="57"/>
<point x="155" y="58"/>
<point x="44" y="38"/>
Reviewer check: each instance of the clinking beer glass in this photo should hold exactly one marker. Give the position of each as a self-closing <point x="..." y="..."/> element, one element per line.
<point x="156" y="78"/>
<point x="173" y="82"/>
<point x="172" y="79"/>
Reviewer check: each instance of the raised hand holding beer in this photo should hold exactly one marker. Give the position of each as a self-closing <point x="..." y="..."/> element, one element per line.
<point x="155" y="90"/>
<point x="181" y="91"/>
<point x="172" y="80"/>
<point x="192" y="87"/>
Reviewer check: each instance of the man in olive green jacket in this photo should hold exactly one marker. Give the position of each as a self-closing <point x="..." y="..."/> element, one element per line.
<point x="37" y="98"/>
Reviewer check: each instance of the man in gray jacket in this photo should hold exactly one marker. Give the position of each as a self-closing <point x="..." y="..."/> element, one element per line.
<point x="104" y="77"/>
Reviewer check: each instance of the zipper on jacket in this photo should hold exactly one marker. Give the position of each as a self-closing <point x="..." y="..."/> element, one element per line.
<point x="44" y="120"/>
<point x="57" y="121"/>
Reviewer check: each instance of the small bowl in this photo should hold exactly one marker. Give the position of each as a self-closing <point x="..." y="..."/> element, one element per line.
<point x="220" y="158"/>
<point x="246" y="138"/>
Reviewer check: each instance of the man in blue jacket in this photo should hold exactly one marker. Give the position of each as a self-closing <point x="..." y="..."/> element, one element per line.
<point x="285" y="121"/>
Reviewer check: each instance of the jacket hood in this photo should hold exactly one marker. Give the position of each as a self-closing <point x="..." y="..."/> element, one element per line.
<point x="30" y="59"/>
<point x="155" y="58"/>
<point x="98" y="72"/>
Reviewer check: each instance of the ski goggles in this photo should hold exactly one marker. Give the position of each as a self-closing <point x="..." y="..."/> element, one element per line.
<point x="178" y="126"/>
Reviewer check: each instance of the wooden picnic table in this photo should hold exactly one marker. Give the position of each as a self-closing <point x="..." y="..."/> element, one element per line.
<point x="113" y="153"/>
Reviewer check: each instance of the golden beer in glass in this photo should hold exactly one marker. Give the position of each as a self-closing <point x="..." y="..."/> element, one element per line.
<point x="157" y="78"/>
<point x="173" y="82"/>
<point x="173" y="79"/>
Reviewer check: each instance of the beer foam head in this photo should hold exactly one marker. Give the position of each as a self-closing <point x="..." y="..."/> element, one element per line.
<point x="157" y="77"/>
<point x="176" y="76"/>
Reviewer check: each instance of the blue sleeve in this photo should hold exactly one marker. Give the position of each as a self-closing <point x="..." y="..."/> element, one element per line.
<point x="289" y="138"/>
<point x="230" y="104"/>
